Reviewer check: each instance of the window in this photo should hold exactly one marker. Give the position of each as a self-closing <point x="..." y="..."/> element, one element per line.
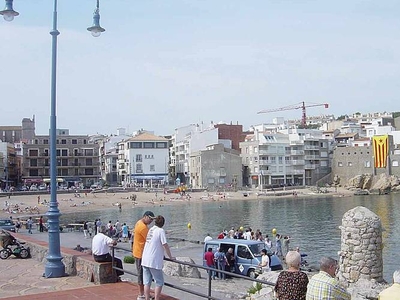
<point x="64" y="172"/>
<point x="152" y="168"/>
<point x="135" y="145"/>
<point x="349" y="164"/>
<point x="64" y="162"/>
<point x="222" y="180"/>
<point x="33" y="172"/>
<point x="139" y="157"/>
<point x="139" y="168"/>
<point x="46" y="152"/>
<point x="367" y="164"/>
<point x="89" y="162"/>
<point x="33" y="152"/>
<point x="58" y="152"/>
<point x="74" y="141"/>
<point x="280" y="160"/>
<point x="46" y="162"/>
<point x="161" y="145"/>
<point x="64" y="142"/>
<point x="85" y="142"/>
<point x="88" y="152"/>
<point x="64" y="152"/>
<point x="340" y="164"/>
<point x="33" y="162"/>
<point x="45" y="142"/>
<point x="89" y="172"/>
<point x="148" y="145"/>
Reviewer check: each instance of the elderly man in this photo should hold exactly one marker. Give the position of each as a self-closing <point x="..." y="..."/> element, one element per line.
<point x="324" y="285"/>
<point x="101" y="244"/>
<point x="393" y="292"/>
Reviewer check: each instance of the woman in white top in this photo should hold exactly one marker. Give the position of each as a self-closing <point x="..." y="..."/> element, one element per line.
<point x="153" y="258"/>
<point x="264" y="261"/>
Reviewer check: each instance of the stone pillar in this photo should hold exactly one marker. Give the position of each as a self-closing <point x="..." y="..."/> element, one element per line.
<point x="361" y="246"/>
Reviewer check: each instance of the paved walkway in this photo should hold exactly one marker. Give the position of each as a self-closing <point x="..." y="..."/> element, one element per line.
<point x="23" y="279"/>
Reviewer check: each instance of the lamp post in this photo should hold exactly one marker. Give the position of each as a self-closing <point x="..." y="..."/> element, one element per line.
<point x="54" y="267"/>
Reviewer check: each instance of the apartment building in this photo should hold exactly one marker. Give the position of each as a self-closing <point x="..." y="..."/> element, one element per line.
<point x="290" y="157"/>
<point x="143" y="160"/>
<point x="77" y="160"/>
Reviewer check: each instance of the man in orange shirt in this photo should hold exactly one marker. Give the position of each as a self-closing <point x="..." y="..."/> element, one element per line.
<point x="139" y="239"/>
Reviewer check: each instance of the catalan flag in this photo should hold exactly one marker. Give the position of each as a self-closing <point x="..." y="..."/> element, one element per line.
<point x="381" y="150"/>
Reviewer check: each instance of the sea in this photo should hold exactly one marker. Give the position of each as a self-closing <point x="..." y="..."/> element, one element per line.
<point x="311" y="222"/>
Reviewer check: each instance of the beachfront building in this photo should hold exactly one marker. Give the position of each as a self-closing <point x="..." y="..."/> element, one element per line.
<point x="77" y="160"/>
<point x="197" y="137"/>
<point x="216" y="168"/>
<point x="288" y="157"/>
<point x="143" y="160"/>
<point x="108" y="155"/>
<point x="9" y="162"/>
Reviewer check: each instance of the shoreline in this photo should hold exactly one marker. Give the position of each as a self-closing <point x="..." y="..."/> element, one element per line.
<point x="24" y="206"/>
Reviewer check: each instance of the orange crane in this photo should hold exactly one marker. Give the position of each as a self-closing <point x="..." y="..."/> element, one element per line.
<point x="301" y="105"/>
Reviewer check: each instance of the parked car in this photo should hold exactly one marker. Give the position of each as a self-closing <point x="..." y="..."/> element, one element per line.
<point x="7" y="224"/>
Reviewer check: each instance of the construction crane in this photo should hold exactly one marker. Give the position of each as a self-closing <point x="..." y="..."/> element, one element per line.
<point x="301" y="105"/>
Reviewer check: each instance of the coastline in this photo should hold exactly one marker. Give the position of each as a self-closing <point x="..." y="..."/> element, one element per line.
<point x="31" y="205"/>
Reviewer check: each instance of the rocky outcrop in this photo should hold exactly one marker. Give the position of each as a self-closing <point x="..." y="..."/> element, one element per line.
<point x="363" y="182"/>
<point x="174" y="269"/>
<point x="386" y="182"/>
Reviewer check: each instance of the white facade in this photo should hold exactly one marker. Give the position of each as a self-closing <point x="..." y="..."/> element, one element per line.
<point x="143" y="160"/>
<point x="188" y="139"/>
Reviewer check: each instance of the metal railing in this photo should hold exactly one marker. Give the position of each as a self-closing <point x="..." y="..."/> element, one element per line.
<point x="180" y="288"/>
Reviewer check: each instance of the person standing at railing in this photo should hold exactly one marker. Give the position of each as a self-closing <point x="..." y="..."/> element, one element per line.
<point x="153" y="258"/>
<point x="139" y="239"/>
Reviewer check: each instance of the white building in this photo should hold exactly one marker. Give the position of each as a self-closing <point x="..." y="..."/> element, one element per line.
<point x="143" y="160"/>
<point x="186" y="140"/>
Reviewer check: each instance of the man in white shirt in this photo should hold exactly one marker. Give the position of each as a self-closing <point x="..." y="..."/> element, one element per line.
<point x="101" y="247"/>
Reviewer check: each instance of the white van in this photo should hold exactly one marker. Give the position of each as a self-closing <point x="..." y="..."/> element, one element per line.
<point x="247" y="255"/>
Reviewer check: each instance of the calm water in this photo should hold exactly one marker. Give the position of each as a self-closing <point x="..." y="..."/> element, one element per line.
<point x="311" y="223"/>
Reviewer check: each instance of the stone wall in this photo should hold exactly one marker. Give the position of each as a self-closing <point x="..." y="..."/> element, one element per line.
<point x="76" y="263"/>
<point x="361" y="246"/>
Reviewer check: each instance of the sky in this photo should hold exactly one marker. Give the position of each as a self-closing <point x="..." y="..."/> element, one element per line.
<point x="161" y="65"/>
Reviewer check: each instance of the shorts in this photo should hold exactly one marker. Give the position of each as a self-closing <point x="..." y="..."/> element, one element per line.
<point x="138" y="262"/>
<point x="149" y="274"/>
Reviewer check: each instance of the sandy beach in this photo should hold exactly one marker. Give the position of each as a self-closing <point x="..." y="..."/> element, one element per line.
<point x="37" y="204"/>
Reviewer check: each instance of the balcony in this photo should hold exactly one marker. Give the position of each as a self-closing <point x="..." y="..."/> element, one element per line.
<point x="311" y="147"/>
<point x="311" y="157"/>
<point x="298" y="162"/>
<point x="297" y="152"/>
<point x="310" y="167"/>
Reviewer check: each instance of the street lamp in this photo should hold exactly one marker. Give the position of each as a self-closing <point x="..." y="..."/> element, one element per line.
<point x="54" y="267"/>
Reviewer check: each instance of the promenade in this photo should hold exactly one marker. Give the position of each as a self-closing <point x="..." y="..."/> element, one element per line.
<point x="23" y="279"/>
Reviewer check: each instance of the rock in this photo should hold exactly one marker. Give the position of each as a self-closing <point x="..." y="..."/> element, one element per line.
<point x="365" y="289"/>
<point x="363" y="181"/>
<point x="174" y="269"/>
<point x="386" y="182"/>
